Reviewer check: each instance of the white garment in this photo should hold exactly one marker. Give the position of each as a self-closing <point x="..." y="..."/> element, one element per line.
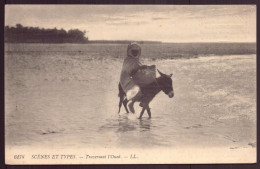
<point x="132" y="92"/>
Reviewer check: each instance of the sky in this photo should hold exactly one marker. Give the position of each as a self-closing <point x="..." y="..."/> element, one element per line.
<point x="166" y="23"/>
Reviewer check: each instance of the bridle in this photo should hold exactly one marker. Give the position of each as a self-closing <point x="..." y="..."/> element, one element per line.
<point x="157" y="85"/>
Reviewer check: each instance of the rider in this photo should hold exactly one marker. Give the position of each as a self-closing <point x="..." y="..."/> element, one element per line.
<point x="130" y="66"/>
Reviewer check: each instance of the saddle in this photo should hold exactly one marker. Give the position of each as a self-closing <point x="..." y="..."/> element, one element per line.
<point x="145" y="76"/>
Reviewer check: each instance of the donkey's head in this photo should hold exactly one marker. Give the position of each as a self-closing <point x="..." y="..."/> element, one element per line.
<point x="165" y="82"/>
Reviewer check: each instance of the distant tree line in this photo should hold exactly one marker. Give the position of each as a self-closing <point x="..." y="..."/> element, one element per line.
<point x="21" y="34"/>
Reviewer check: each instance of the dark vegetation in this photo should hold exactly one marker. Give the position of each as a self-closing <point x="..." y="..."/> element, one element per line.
<point x="99" y="48"/>
<point x="21" y="34"/>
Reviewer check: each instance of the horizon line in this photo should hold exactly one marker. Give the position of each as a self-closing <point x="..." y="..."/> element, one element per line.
<point x="158" y="41"/>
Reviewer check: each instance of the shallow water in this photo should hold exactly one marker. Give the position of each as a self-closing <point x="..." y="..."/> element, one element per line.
<point x="62" y="98"/>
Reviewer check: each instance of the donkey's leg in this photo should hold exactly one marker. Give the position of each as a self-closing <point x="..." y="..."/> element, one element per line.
<point x="142" y="112"/>
<point x="120" y="103"/>
<point x="149" y="111"/>
<point x="125" y="105"/>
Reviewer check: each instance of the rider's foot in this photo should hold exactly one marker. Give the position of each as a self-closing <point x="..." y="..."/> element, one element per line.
<point x="131" y="107"/>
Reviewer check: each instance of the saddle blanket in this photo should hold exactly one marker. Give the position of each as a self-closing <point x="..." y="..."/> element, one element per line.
<point x="145" y="76"/>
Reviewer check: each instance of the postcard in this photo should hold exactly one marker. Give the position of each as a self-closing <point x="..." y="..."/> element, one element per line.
<point x="130" y="84"/>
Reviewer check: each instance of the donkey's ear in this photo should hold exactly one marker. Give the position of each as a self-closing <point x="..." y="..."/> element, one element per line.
<point x="160" y="72"/>
<point x="170" y="75"/>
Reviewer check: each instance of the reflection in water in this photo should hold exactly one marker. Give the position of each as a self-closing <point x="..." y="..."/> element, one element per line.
<point x="125" y="124"/>
<point x="128" y="131"/>
<point x="145" y="124"/>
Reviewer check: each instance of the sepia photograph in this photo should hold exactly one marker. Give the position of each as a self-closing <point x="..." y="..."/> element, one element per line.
<point x="130" y="84"/>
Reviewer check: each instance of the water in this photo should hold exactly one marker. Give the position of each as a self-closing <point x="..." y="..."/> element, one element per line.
<point x="66" y="96"/>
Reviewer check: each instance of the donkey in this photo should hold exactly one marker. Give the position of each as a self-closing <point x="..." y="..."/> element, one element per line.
<point x="162" y="83"/>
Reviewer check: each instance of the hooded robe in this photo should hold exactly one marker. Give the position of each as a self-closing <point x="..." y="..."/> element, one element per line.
<point x="133" y="72"/>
